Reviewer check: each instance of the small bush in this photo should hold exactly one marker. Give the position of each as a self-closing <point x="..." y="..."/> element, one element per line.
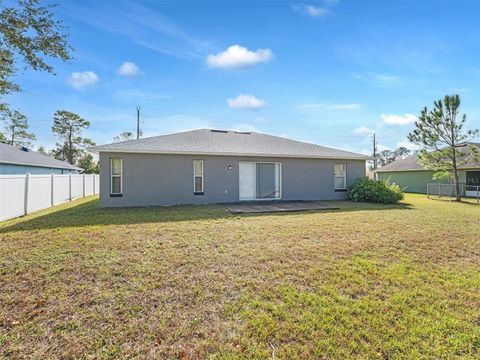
<point x="378" y="191"/>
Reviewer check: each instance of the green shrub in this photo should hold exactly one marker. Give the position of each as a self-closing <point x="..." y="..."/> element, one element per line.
<point x="378" y="191"/>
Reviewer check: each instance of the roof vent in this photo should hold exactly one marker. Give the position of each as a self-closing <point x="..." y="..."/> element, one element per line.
<point x="243" y="132"/>
<point x="23" y="148"/>
<point x="220" y="131"/>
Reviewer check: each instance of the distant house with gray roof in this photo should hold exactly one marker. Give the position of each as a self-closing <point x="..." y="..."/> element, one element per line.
<point x="413" y="177"/>
<point x="218" y="166"/>
<point x="20" y="160"/>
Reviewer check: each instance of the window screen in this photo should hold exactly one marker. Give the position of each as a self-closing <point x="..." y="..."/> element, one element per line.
<point x="340" y="176"/>
<point x="198" y="176"/>
<point x="116" y="169"/>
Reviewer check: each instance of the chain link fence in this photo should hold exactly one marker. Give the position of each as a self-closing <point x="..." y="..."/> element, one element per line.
<point x="439" y="190"/>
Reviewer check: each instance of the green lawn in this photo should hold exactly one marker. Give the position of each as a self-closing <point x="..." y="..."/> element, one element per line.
<point x="365" y="281"/>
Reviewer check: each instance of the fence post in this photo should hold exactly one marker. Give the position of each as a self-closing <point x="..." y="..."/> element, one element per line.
<point x="478" y="200"/>
<point x="439" y="190"/>
<point x="52" y="200"/>
<point x="83" y="184"/>
<point x="93" y="180"/>
<point x="70" y="186"/>
<point x="27" y="185"/>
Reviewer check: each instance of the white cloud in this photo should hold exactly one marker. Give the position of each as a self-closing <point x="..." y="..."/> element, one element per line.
<point x="406" y="119"/>
<point x="237" y="56"/>
<point x="80" y="80"/>
<point x="244" y="101"/>
<point x="381" y="80"/>
<point x="345" y="106"/>
<point x="313" y="11"/>
<point x="461" y="91"/>
<point x="407" y="144"/>
<point x="331" y="106"/>
<point x="145" y="26"/>
<point x="363" y="131"/>
<point x="381" y="147"/>
<point x="128" y="69"/>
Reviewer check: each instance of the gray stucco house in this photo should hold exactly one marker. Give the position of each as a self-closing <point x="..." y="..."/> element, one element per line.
<point x="219" y="166"/>
<point x="20" y="160"/>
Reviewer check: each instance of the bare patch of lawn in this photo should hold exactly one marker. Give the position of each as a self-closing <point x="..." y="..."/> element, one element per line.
<point x="368" y="281"/>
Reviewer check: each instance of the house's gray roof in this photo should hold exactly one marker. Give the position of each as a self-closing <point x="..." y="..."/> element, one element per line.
<point x="222" y="142"/>
<point x="411" y="162"/>
<point x="13" y="155"/>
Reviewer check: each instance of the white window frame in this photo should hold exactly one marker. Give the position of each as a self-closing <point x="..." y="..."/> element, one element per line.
<point x="195" y="176"/>
<point x="112" y="176"/>
<point x="280" y="184"/>
<point x="344" y="177"/>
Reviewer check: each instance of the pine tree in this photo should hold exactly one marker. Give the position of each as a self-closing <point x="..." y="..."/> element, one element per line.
<point x="68" y="127"/>
<point x="442" y="137"/>
<point x="16" y="129"/>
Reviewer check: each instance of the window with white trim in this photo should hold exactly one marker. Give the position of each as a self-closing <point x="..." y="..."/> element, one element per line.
<point x="340" y="176"/>
<point x="116" y="170"/>
<point x="198" y="176"/>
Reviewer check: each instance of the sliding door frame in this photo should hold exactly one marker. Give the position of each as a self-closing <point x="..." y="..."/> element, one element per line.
<point x="280" y="180"/>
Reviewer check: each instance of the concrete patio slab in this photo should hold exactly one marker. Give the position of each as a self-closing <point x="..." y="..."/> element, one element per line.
<point x="277" y="206"/>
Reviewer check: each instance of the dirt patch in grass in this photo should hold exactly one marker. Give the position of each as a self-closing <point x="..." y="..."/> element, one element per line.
<point x="366" y="281"/>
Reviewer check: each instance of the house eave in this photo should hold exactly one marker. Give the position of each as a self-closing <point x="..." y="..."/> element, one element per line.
<point x="408" y="170"/>
<point x="197" y="153"/>
<point x="403" y="170"/>
<point x="41" y="166"/>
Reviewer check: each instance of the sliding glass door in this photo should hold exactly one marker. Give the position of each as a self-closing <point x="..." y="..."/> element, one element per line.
<point x="267" y="180"/>
<point x="259" y="180"/>
<point x="247" y="182"/>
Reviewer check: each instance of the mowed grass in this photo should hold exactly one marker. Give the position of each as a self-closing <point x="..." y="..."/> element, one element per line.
<point x="365" y="281"/>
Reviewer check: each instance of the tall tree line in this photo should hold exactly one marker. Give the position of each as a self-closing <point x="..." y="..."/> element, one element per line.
<point x="67" y="127"/>
<point x="387" y="156"/>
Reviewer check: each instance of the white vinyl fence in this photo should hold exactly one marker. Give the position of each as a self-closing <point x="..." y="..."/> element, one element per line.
<point x="24" y="194"/>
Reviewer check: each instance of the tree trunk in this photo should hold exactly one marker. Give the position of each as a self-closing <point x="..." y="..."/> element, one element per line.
<point x="455" y="174"/>
<point x="457" y="185"/>
<point x="70" y="152"/>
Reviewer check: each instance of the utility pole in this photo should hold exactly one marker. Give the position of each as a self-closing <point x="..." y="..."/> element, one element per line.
<point x="374" y="152"/>
<point x="138" y="122"/>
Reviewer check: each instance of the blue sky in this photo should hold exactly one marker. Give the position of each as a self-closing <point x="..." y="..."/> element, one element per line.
<point x="328" y="72"/>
